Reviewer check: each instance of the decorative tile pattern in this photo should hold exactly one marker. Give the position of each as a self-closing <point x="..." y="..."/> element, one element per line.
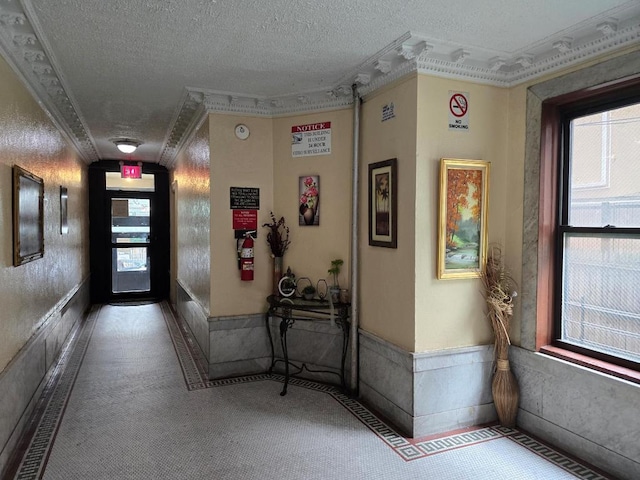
<point x="193" y="367"/>
<point x="53" y="401"/>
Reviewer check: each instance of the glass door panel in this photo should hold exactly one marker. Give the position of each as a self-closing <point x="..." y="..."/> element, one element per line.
<point x="130" y="239"/>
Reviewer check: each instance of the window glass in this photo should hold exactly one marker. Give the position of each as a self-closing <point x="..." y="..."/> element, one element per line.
<point x="599" y="234"/>
<point x="600" y="302"/>
<point x="605" y="169"/>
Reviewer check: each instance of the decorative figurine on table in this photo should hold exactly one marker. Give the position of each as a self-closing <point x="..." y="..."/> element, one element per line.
<point x="287" y="284"/>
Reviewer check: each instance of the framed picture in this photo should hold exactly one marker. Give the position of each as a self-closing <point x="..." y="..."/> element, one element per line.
<point x="309" y="213"/>
<point x="462" y="226"/>
<point x="28" y="217"/>
<point x="383" y="204"/>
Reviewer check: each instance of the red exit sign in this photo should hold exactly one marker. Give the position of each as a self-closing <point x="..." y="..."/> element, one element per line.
<point x="131" y="171"/>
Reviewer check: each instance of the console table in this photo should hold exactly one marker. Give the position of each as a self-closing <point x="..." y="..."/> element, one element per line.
<point x="290" y="310"/>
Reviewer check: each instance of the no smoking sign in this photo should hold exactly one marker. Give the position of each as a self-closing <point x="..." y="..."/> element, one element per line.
<point x="459" y="111"/>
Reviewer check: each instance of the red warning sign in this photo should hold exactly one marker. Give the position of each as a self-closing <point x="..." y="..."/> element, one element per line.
<point x="458" y="105"/>
<point x="458" y="111"/>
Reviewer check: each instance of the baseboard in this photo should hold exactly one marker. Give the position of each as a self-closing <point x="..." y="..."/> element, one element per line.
<point x="23" y="380"/>
<point x="427" y="393"/>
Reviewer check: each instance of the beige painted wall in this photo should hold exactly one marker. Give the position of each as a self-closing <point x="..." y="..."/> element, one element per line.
<point x="239" y="163"/>
<point x="388" y="276"/>
<point x="451" y="313"/>
<point x="29" y="293"/>
<point x="192" y="196"/>
<point x="313" y="247"/>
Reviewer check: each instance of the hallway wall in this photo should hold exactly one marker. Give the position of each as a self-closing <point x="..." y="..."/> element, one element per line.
<point x="41" y="300"/>
<point x="191" y="177"/>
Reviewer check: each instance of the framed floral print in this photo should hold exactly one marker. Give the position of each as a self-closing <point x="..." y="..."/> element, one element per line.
<point x="383" y="204"/>
<point x="308" y="209"/>
<point x="462" y="225"/>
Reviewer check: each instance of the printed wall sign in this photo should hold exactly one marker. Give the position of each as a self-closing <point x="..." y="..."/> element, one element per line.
<point x="388" y="112"/>
<point x="459" y="111"/>
<point x="311" y="139"/>
<point x="245" y="219"/>
<point x="244" y="198"/>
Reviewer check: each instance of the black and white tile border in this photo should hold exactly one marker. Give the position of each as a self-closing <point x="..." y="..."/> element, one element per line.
<point x="409" y="449"/>
<point x="51" y="407"/>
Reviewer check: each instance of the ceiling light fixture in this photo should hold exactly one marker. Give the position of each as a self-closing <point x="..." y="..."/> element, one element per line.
<point x="127" y="146"/>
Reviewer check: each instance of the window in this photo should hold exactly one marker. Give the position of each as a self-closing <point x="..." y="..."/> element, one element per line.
<point x="596" y="307"/>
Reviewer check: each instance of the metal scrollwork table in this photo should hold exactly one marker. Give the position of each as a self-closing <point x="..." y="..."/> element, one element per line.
<point x="290" y="310"/>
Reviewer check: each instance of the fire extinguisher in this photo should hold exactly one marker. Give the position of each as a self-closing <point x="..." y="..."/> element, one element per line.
<point x="246" y="259"/>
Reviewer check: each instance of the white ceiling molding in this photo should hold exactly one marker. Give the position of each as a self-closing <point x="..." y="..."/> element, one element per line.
<point x="26" y="49"/>
<point x="23" y="47"/>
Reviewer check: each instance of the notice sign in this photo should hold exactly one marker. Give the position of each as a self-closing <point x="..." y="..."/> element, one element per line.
<point x="459" y="111"/>
<point x="312" y="139"/>
<point x="388" y="112"/>
<point x="245" y="219"/>
<point x="244" y="198"/>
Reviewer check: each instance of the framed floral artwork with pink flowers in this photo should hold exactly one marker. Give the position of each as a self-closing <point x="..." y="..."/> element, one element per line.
<point x="308" y="212"/>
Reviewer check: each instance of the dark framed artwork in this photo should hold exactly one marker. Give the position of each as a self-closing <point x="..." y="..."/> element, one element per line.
<point x="64" y="197"/>
<point x="28" y="216"/>
<point x="383" y="204"/>
<point x="462" y="225"/>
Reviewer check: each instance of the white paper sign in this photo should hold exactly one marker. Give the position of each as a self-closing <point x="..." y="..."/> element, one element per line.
<point x="459" y="111"/>
<point x="311" y="139"/>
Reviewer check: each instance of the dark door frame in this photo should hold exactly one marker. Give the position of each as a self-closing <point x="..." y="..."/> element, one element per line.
<point x="100" y="233"/>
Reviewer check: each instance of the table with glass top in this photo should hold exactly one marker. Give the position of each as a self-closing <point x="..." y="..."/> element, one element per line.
<point x="292" y="309"/>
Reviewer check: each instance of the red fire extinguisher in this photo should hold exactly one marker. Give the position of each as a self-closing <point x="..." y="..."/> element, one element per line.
<point x="246" y="259"/>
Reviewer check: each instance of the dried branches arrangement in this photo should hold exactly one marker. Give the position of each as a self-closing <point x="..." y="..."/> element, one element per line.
<point x="499" y="293"/>
<point x="278" y="236"/>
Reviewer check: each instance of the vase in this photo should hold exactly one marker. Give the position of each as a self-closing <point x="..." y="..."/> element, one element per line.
<point x="277" y="274"/>
<point x="506" y="393"/>
<point x="334" y="294"/>
<point x="309" y="215"/>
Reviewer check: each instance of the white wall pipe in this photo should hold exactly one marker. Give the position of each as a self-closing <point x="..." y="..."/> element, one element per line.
<point x="354" y="243"/>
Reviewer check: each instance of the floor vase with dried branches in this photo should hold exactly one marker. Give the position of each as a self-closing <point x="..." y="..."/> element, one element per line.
<point x="499" y="295"/>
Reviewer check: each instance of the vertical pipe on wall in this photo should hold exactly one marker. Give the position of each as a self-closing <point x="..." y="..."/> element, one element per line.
<point x="354" y="242"/>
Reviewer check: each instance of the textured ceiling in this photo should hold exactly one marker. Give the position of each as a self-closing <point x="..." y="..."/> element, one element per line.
<point x="135" y="68"/>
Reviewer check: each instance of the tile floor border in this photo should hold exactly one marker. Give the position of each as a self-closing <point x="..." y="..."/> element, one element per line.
<point x="407" y="448"/>
<point x="55" y="398"/>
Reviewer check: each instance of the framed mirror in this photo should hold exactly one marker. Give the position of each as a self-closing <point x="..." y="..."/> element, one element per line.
<point x="28" y="216"/>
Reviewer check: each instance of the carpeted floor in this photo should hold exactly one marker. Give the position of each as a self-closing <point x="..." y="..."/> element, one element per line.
<point x="131" y="401"/>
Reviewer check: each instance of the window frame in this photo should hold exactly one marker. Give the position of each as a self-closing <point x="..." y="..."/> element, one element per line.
<point x="557" y="114"/>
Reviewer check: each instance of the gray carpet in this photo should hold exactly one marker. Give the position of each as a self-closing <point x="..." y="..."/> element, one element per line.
<point x="124" y="412"/>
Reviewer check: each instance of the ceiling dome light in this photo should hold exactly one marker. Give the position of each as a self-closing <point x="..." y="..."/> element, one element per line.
<point x="127" y="146"/>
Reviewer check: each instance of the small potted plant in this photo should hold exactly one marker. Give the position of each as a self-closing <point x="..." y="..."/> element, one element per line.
<point x="309" y="292"/>
<point x="334" y="290"/>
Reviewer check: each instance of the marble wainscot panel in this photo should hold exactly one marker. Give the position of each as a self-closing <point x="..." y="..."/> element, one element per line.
<point x="22" y="381"/>
<point x="584" y="412"/>
<point x="238" y="345"/>
<point x="195" y="315"/>
<point x="317" y="344"/>
<point x="427" y="393"/>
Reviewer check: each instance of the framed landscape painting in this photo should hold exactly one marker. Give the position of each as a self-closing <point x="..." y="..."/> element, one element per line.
<point x="462" y="225"/>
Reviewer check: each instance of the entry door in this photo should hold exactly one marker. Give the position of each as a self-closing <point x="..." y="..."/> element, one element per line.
<point x="131" y="239"/>
<point x="129" y="233"/>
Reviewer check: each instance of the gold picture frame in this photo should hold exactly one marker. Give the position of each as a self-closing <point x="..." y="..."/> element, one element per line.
<point x="462" y="223"/>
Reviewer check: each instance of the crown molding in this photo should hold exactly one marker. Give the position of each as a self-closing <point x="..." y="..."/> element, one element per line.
<point x="26" y="50"/>
<point x="185" y="122"/>
<point x="197" y="103"/>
